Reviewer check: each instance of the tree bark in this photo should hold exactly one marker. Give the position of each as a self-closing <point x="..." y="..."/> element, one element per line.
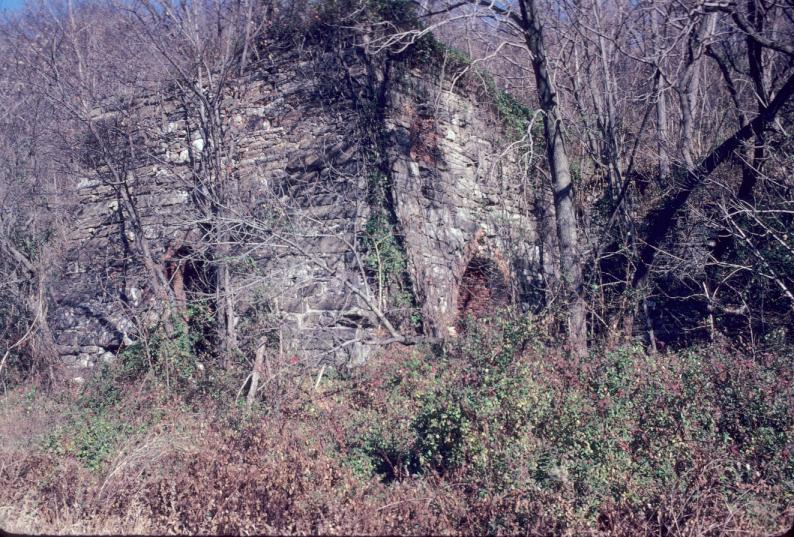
<point x="226" y="316"/>
<point x="567" y="233"/>
<point x="256" y="374"/>
<point x="661" y="103"/>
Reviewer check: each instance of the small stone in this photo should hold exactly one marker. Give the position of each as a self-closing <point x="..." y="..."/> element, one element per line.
<point x="135" y="295"/>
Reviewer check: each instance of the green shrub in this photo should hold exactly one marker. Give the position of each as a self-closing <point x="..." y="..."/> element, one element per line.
<point x="621" y="432"/>
<point x="93" y="439"/>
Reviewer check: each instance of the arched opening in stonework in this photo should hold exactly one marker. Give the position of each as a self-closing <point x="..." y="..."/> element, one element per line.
<point x="483" y="289"/>
<point x="191" y="280"/>
<point x="188" y="276"/>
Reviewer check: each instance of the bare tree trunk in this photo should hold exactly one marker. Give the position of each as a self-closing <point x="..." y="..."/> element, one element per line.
<point x="38" y="334"/>
<point x="259" y="361"/>
<point x="567" y="233"/>
<point x="226" y="316"/>
<point x="661" y="104"/>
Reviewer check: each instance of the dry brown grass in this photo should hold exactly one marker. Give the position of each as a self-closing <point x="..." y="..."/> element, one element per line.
<point x="25" y="418"/>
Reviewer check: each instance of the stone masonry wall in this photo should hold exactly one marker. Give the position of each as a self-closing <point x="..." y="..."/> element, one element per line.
<point x="300" y="160"/>
<point x="459" y="194"/>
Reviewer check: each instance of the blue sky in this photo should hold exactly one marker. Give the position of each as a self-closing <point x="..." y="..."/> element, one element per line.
<point x="10" y="4"/>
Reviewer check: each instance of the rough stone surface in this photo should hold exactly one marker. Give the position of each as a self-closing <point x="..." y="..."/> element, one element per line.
<point x="458" y="194"/>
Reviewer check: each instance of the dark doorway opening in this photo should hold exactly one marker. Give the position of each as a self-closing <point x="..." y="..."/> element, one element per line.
<point x="483" y="289"/>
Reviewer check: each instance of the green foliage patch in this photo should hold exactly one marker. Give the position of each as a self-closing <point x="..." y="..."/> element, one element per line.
<point x="100" y="421"/>
<point x="384" y="254"/>
<point x="622" y="429"/>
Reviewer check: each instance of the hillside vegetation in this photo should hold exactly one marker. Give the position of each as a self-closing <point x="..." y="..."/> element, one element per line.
<point x="496" y="434"/>
<point x="625" y="370"/>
